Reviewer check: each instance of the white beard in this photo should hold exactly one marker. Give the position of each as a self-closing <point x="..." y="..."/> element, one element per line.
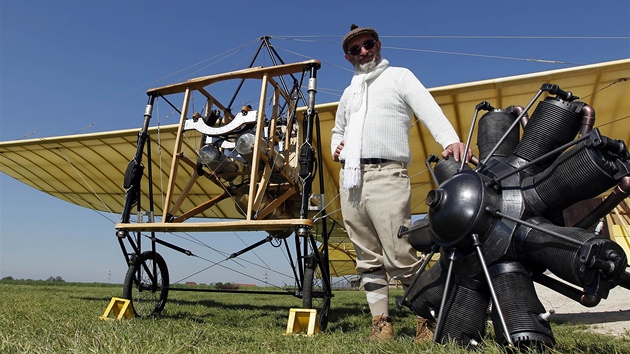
<point x="367" y="67"/>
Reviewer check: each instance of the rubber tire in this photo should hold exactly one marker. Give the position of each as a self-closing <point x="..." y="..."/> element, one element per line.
<point x="315" y="294"/>
<point x="145" y="302"/>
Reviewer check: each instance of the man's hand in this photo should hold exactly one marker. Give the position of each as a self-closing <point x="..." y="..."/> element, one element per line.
<point x="457" y="151"/>
<point x="337" y="152"/>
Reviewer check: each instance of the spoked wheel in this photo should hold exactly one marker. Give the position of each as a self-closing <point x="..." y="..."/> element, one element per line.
<point x="146" y="284"/>
<point x="316" y="293"/>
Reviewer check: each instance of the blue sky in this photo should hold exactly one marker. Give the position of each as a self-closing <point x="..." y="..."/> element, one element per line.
<point x="71" y="67"/>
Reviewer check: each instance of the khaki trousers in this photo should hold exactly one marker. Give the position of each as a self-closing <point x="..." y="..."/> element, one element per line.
<point x="373" y="224"/>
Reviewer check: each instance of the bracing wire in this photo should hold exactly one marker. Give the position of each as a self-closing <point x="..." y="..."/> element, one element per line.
<point x="332" y="40"/>
<point x="196" y="241"/>
<point x="87" y="184"/>
<point x="266" y="266"/>
<point x="547" y="61"/>
<point x="221" y="56"/>
<point x="235" y="50"/>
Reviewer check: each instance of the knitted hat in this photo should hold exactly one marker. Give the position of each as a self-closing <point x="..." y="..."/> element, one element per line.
<point x="355" y="31"/>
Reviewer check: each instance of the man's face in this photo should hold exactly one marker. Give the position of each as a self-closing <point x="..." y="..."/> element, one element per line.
<point x="364" y="59"/>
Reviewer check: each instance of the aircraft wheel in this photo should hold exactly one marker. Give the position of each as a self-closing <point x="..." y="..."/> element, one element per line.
<point x="147" y="293"/>
<point x="316" y="293"/>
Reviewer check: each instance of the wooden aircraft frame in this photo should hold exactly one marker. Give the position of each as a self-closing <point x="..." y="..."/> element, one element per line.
<point x="273" y="171"/>
<point x="250" y="221"/>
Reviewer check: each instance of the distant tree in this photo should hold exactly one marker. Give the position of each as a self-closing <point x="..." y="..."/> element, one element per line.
<point x="58" y="279"/>
<point x="8" y="278"/>
<point x="226" y="286"/>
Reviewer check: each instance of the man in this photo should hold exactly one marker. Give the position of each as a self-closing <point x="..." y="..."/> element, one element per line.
<point x="371" y="140"/>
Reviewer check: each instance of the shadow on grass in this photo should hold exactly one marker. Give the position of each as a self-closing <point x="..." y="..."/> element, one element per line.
<point x="345" y="316"/>
<point x="592" y="317"/>
<point x="92" y="298"/>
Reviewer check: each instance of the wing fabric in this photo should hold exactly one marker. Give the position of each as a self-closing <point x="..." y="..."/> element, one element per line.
<point x="88" y="169"/>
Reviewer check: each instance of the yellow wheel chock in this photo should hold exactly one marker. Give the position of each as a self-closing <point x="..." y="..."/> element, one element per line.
<point x="119" y="308"/>
<point x="303" y="320"/>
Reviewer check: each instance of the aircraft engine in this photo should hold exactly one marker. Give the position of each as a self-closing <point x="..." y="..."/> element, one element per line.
<point x="228" y="154"/>
<point x="210" y="156"/>
<point x="245" y="144"/>
<point x="500" y="226"/>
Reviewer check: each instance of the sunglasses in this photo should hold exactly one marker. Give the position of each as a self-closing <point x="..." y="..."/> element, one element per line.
<point x="356" y="50"/>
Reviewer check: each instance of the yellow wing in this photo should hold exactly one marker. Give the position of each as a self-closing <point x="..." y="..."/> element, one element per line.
<point x="604" y="86"/>
<point x="88" y="170"/>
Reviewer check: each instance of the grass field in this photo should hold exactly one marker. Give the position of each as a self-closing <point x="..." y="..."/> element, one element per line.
<point x="45" y="317"/>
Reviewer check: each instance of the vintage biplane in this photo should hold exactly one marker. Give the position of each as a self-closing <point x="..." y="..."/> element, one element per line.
<point x="261" y="167"/>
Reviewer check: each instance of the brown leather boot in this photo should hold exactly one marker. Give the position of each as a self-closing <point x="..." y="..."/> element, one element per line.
<point x="425" y="331"/>
<point x="382" y="330"/>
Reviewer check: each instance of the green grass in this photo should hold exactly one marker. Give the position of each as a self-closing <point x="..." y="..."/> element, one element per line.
<point x="39" y="317"/>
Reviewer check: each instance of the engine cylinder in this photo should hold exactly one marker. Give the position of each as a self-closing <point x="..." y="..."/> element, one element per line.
<point x="445" y="169"/>
<point x="426" y="295"/>
<point x="586" y="263"/>
<point x="283" y="211"/>
<point x="520" y="307"/>
<point x="492" y="126"/>
<point x="554" y="123"/>
<point x="419" y="236"/>
<point x="245" y="145"/>
<point x="465" y="312"/>
<point x="579" y="173"/>
<point x="216" y="161"/>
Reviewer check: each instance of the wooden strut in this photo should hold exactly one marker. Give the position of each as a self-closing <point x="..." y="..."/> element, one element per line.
<point x="238" y="225"/>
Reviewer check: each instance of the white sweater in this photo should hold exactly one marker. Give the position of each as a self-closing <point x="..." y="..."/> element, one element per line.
<point x="393" y="98"/>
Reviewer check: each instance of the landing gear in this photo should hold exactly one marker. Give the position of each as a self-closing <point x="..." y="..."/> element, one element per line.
<point x="146" y="284"/>
<point x="316" y="293"/>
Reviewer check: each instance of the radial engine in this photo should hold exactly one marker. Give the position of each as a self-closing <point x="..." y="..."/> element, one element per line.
<point x="499" y="226"/>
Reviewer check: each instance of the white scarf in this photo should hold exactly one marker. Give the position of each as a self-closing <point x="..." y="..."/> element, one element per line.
<point x="355" y="112"/>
